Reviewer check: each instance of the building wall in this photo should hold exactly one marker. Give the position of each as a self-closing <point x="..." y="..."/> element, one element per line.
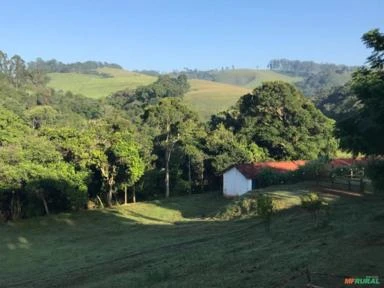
<point x="235" y="184"/>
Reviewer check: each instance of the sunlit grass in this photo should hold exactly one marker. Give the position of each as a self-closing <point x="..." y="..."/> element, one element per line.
<point x="204" y="97"/>
<point x="209" y="98"/>
<point x="94" y="86"/>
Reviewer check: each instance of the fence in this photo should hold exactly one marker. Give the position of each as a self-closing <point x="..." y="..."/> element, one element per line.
<point x="351" y="181"/>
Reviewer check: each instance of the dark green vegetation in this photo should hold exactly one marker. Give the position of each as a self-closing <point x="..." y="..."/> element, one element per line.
<point x="318" y="79"/>
<point x="181" y="243"/>
<point x="277" y="117"/>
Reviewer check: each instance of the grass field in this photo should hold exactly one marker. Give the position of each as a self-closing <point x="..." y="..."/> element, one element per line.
<point x="94" y="86"/>
<point x="208" y="97"/>
<point x="205" y="97"/>
<point x="251" y="78"/>
<point x="180" y="243"/>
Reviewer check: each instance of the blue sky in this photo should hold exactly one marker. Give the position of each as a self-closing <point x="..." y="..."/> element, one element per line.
<point x="203" y="34"/>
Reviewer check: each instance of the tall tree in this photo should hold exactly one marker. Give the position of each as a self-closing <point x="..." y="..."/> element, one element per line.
<point x="168" y="118"/>
<point x="364" y="130"/>
<point x="277" y="117"/>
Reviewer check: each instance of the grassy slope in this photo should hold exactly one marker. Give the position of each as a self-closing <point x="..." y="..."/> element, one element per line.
<point x="208" y="97"/>
<point x="205" y="97"/>
<point x="96" y="87"/>
<point x="252" y="78"/>
<point x="173" y="243"/>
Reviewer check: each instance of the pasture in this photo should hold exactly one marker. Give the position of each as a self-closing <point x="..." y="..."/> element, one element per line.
<point x="196" y="241"/>
<point x="204" y="97"/>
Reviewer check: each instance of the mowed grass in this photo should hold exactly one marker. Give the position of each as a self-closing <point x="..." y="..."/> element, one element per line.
<point x="207" y="97"/>
<point x="94" y="86"/>
<point x="251" y="78"/>
<point x="180" y="243"/>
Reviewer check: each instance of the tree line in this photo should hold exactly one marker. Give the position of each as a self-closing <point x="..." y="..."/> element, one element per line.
<point x="53" y="65"/>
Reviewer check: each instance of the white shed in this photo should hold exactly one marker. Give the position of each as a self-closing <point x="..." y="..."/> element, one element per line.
<point x="239" y="179"/>
<point x="235" y="183"/>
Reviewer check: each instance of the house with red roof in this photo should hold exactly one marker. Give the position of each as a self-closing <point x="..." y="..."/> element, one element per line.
<point x="239" y="179"/>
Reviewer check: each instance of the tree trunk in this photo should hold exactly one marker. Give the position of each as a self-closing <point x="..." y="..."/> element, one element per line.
<point x="202" y="176"/>
<point x="44" y="203"/>
<point x="125" y="195"/>
<point x="109" y="196"/>
<point x="166" y="180"/>
<point x="189" y="175"/>
<point x="15" y="211"/>
<point x="134" y="194"/>
<point x="101" y="202"/>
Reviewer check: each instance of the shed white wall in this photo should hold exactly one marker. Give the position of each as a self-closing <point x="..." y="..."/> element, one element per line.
<point x="235" y="183"/>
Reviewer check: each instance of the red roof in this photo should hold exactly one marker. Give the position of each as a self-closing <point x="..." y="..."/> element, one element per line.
<point x="341" y="162"/>
<point x="251" y="170"/>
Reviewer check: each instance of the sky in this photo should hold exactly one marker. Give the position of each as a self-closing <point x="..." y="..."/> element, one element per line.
<point x="204" y="34"/>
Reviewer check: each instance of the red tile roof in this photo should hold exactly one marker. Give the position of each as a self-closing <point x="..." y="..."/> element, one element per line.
<point x="251" y="170"/>
<point x="341" y="162"/>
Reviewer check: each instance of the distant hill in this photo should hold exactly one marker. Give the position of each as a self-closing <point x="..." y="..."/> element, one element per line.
<point x="251" y="78"/>
<point x="205" y="97"/>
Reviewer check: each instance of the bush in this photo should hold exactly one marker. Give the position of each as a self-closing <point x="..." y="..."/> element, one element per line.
<point x="375" y="171"/>
<point x="310" y="171"/>
<point x="265" y="209"/>
<point x="313" y="204"/>
<point x="268" y="177"/>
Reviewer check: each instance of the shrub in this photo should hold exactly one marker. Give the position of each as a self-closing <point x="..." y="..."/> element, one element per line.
<point x="248" y="205"/>
<point x="268" y="177"/>
<point x="375" y="171"/>
<point x="313" y="203"/>
<point x="312" y="170"/>
<point x="265" y="209"/>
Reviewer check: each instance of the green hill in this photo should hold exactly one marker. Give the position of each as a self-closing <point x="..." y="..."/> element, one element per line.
<point x="181" y="243"/>
<point x="251" y="78"/>
<point x="205" y="97"/>
<point x="96" y="86"/>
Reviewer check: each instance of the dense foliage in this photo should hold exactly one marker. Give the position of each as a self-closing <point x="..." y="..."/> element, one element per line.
<point x="363" y="131"/>
<point x="278" y="118"/>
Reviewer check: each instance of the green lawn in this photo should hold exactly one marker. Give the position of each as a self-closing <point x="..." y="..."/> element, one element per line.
<point x="185" y="242"/>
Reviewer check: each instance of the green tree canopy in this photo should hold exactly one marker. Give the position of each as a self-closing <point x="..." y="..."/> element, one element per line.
<point x="364" y="130"/>
<point x="278" y="118"/>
